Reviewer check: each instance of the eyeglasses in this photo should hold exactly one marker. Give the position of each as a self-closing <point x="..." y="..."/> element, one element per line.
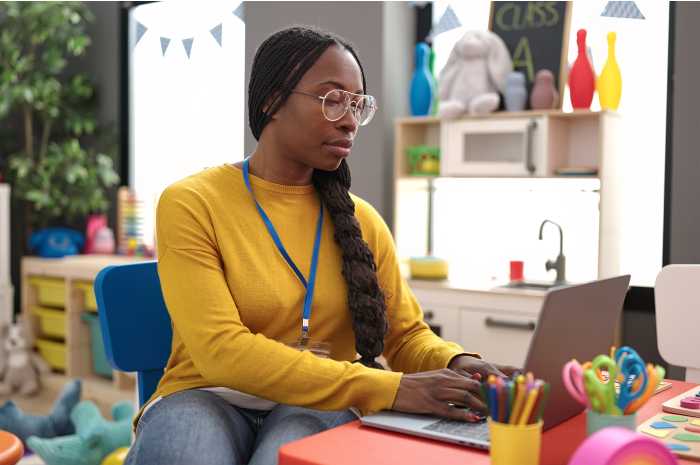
<point x="336" y="103"/>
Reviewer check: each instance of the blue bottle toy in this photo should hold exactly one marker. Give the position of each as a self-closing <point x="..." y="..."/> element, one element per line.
<point x="422" y="84"/>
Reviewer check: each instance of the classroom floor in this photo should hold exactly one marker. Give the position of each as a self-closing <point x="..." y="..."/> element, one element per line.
<point x="101" y="391"/>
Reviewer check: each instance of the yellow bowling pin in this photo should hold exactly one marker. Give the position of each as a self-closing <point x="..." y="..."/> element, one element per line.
<point x="610" y="81"/>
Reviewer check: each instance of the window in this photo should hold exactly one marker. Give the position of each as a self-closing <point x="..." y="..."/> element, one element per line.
<point x="186" y="112"/>
<point x="642" y="52"/>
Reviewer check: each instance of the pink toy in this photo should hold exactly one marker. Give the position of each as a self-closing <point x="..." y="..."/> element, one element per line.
<point x="94" y="223"/>
<point x="618" y="446"/>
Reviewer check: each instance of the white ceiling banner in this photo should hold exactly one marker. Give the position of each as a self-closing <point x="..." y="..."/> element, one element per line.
<point x="195" y="24"/>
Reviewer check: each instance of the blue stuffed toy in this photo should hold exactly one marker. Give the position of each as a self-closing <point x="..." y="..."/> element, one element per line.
<point x="56" y="242"/>
<point x="94" y="440"/>
<point x="57" y="423"/>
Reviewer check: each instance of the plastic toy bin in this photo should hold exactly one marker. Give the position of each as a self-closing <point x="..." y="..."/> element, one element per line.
<point x="99" y="357"/>
<point x="51" y="292"/>
<point x="52" y="322"/>
<point x="53" y="352"/>
<point x="89" y="295"/>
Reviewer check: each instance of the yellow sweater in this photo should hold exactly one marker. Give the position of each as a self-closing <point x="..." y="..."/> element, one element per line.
<point x="231" y="297"/>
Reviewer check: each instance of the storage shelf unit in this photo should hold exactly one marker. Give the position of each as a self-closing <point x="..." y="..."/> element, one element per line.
<point x="55" y="294"/>
<point x="571" y="139"/>
<point x="500" y="326"/>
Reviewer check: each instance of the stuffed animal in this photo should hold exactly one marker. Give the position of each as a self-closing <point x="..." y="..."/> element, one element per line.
<point x="474" y="75"/>
<point x="56" y="423"/>
<point x="94" y="440"/>
<point x="24" y="367"/>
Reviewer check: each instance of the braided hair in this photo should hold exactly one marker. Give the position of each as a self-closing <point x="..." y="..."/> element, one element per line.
<point x="279" y="64"/>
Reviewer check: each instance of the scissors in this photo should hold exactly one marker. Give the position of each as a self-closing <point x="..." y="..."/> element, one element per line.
<point x="573" y="381"/>
<point x="601" y="394"/>
<point x="655" y="376"/>
<point x="634" y="376"/>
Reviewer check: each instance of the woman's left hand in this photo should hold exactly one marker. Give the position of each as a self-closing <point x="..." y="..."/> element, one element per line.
<point x="473" y="365"/>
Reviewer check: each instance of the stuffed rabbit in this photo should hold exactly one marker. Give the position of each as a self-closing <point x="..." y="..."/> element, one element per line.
<point x="474" y="75"/>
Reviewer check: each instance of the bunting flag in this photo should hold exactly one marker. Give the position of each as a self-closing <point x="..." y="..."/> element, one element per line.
<point x="448" y="21"/>
<point x="164" y="42"/>
<point x="187" y="43"/>
<point x="622" y="10"/>
<point x="240" y="12"/>
<point x="216" y="32"/>
<point x="140" y="31"/>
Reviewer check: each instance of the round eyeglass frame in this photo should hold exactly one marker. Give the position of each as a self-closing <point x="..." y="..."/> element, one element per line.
<point x="348" y="104"/>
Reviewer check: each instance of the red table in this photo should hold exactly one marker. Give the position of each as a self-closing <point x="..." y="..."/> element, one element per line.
<point x="353" y="444"/>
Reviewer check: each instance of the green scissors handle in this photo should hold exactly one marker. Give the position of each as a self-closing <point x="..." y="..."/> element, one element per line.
<point x="600" y="393"/>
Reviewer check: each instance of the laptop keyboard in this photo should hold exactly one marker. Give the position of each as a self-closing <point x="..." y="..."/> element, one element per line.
<point x="460" y="428"/>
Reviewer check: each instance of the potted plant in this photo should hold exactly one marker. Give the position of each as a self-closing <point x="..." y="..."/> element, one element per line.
<point x="59" y="165"/>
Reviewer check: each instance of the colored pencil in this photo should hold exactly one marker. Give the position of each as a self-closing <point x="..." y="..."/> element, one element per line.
<point x="529" y="404"/>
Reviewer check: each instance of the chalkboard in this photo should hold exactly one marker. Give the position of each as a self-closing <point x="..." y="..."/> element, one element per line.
<point x="537" y="37"/>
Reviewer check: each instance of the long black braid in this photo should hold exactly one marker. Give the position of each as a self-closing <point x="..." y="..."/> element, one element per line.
<point x="279" y="64"/>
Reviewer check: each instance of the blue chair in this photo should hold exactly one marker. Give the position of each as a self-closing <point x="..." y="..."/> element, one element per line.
<point x="135" y="324"/>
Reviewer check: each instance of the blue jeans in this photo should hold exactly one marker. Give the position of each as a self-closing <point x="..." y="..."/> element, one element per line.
<point x="197" y="427"/>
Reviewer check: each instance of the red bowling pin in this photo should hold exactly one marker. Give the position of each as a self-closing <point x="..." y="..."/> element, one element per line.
<point x="581" y="76"/>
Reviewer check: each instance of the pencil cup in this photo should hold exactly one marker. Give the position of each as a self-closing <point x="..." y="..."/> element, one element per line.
<point x="596" y="421"/>
<point x="515" y="444"/>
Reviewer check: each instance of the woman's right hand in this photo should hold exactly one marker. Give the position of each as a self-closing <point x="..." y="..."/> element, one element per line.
<point x="441" y="393"/>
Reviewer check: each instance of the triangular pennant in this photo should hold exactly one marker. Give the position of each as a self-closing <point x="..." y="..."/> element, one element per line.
<point x="448" y="21"/>
<point x="240" y="12"/>
<point x="216" y="32"/>
<point x="140" y="31"/>
<point x="187" y="43"/>
<point x="164" y="42"/>
<point x="622" y="10"/>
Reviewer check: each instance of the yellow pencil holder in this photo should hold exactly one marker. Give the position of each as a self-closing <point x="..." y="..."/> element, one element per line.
<point x="515" y="444"/>
<point x="596" y="421"/>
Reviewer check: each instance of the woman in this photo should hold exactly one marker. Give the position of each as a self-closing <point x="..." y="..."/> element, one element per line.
<point x="262" y="260"/>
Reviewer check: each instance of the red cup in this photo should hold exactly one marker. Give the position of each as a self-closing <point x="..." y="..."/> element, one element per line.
<point x="516" y="270"/>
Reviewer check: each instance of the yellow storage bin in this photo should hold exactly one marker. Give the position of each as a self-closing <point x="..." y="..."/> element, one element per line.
<point x="52" y="322"/>
<point x="89" y="293"/>
<point x="50" y="291"/>
<point x="53" y="352"/>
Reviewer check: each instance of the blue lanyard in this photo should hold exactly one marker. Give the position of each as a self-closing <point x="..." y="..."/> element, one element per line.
<point x="306" y="315"/>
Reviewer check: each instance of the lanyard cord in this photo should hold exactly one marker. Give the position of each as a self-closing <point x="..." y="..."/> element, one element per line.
<point x="308" y="299"/>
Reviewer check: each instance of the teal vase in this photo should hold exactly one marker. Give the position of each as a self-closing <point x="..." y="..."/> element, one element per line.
<point x="422" y="83"/>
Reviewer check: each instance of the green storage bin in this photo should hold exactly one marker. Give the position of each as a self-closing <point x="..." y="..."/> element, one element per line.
<point x="99" y="357"/>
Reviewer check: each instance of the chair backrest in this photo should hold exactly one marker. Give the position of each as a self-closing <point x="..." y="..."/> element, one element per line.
<point x="677" y="296"/>
<point x="135" y="324"/>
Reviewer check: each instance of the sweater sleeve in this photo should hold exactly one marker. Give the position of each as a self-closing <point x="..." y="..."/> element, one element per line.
<point x="410" y="345"/>
<point x="222" y="348"/>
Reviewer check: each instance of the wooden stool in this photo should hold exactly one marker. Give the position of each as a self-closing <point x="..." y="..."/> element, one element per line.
<point x="11" y="448"/>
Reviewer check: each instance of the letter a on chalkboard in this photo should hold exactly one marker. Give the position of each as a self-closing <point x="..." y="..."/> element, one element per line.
<point x="537" y="36"/>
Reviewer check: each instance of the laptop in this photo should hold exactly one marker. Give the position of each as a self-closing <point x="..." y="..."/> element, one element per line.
<point x="576" y="321"/>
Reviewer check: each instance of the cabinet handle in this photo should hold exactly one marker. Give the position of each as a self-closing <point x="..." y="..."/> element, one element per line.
<point x="529" y="165"/>
<point x="428" y="315"/>
<point x="494" y="323"/>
